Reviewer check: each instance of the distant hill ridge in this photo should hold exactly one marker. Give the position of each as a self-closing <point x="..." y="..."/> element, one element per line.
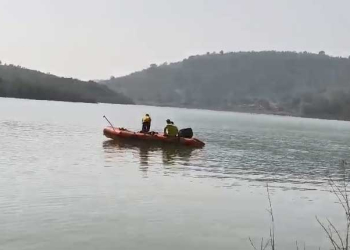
<point x="19" y="82"/>
<point x="302" y="84"/>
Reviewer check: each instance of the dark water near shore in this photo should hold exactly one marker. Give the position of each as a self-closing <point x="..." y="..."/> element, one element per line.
<point x="65" y="186"/>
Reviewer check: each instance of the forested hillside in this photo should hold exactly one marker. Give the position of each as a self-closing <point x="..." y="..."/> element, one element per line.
<point x="304" y="84"/>
<point x="19" y="82"/>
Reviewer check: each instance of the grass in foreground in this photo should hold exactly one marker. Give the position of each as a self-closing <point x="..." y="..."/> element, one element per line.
<point x="339" y="242"/>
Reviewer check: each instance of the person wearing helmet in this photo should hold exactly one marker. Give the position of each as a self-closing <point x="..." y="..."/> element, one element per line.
<point x="170" y="129"/>
<point x="146" y="123"/>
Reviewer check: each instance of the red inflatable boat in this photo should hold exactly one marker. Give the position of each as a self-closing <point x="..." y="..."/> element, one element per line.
<point x="121" y="133"/>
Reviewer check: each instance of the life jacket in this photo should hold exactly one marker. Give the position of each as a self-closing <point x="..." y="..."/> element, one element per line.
<point x="172" y="130"/>
<point x="146" y="119"/>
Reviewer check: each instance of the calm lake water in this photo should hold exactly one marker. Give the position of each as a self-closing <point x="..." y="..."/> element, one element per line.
<point x="65" y="186"/>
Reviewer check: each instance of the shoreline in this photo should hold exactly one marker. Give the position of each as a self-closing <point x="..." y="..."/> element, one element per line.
<point x="238" y="110"/>
<point x="55" y="100"/>
<point x="256" y="112"/>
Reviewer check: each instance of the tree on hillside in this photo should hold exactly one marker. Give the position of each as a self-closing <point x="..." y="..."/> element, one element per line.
<point x="19" y="82"/>
<point x="298" y="83"/>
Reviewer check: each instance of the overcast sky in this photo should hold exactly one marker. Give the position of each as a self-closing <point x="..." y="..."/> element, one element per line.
<point x="94" y="39"/>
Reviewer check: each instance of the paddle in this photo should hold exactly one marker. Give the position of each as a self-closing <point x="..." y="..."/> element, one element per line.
<point x="109" y="122"/>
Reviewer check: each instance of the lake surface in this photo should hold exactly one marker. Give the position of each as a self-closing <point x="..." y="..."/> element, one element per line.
<point x="65" y="186"/>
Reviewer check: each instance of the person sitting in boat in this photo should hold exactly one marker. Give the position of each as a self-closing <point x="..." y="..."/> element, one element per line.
<point x="146" y="123"/>
<point x="170" y="129"/>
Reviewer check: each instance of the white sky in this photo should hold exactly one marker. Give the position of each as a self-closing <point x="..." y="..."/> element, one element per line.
<point x="94" y="39"/>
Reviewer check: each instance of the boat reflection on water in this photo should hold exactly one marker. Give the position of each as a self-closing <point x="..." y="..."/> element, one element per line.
<point x="150" y="154"/>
